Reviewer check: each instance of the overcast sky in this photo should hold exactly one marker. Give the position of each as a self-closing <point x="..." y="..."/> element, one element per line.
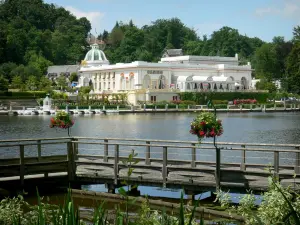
<point x="261" y="18"/>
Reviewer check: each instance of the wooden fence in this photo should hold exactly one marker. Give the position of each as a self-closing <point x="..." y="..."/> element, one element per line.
<point x="88" y="160"/>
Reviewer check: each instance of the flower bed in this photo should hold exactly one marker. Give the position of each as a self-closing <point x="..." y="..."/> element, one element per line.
<point x="61" y="120"/>
<point x="244" y="101"/>
<point x="206" y="125"/>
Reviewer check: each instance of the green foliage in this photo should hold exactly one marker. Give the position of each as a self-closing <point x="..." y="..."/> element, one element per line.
<point x="266" y="62"/>
<point x="292" y="70"/>
<point x="31" y="83"/>
<point x="23" y="95"/>
<point x="201" y="98"/>
<point x="279" y="206"/>
<point x="61" y="82"/>
<point x="3" y="83"/>
<point x="266" y="85"/>
<point x="36" y="35"/>
<point x="73" y="77"/>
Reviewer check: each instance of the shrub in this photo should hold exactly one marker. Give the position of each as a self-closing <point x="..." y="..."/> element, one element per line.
<point x="23" y="95"/>
<point x="244" y="101"/>
<point x="220" y="102"/>
<point x="221" y="106"/>
<point x="202" y="97"/>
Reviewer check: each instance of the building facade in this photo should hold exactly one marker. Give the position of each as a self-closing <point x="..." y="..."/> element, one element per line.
<point x="162" y="81"/>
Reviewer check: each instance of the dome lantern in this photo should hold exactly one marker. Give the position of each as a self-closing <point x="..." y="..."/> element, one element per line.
<point x="95" y="56"/>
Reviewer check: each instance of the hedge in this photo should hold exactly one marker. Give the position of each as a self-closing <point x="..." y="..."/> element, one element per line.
<point x="199" y="97"/>
<point x="22" y="95"/>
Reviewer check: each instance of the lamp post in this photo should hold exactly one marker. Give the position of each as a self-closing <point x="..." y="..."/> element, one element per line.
<point x="210" y="104"/>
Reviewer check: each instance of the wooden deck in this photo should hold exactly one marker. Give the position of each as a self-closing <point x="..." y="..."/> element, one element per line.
<point x="174" y="164"/>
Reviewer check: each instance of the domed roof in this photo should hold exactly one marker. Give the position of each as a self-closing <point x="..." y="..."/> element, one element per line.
<point x="95" y="56"/>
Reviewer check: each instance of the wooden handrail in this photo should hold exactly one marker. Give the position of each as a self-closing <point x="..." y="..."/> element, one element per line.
<point x="186" y="146"/>
<point x="190" y="142"/>
<point x="36" y="139"/>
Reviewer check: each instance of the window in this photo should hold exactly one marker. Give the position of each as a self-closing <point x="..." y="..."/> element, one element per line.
<point x="153" y="98"/>
<point x="175" y="98"/>
<point x="146" y="81"/>
<point x="161" y="82"/>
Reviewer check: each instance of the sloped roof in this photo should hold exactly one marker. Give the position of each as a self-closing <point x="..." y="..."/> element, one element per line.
<point x="172" y="53"/>
<point x="63" y="69"/>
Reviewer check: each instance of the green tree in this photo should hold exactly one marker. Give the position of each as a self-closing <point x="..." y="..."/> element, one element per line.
<point x="17" y="82"/>
<point x="44" y="84"/>
<point x="73" y="77"/>
<point x="3" y="83"/>
<point x="61" y="82"/>
<point x="266" y="63"/>
<point x="292" y="69"/>
<point x="6" y="68"/>
<point x="266" y="85"/>
<point x="31" y="83"/>
<point x="19" y="71"/>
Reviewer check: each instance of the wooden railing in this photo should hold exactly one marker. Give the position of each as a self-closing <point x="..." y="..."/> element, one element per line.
<point x="162" y="162"/>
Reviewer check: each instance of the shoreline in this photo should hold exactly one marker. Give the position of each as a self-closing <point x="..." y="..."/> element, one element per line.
<point x="144" y="111"/>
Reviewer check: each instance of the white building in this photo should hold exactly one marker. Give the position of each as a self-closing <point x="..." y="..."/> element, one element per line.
<point x="146" y="81"/>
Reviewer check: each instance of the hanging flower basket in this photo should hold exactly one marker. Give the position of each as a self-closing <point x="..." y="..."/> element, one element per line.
<point x="61" y="120"/>
<point x="206" y="125"/>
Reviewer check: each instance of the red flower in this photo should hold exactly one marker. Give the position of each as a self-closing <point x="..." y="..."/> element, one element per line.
<point x="203" y="123"/>
<point x="202" y="133"/>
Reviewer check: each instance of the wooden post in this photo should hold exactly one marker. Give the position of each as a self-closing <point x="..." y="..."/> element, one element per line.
<point x="105" y="157"/>
<point x="165" y="162"/>
<point x="243" y="163"/>
<point x="22" y="165"/>
<point x="116" y="164"/>
<point x="193" y="164"/>
<point x="39" y="146"/>
<point x="148" y="155"/>
<point x="71" y="161"/>
<point x="218" y="169"/>
<point x="297" y="163"/>
<point x="276" y="163"/>
<point x="75" y="149"/>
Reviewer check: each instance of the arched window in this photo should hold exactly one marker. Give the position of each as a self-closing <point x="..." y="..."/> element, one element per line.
<point x="122" y="83"/>
<point x="161" y="82"/>
<point x="131" y="83"/>
<point x="215" y="87"/>
<point x="146" y="81"/>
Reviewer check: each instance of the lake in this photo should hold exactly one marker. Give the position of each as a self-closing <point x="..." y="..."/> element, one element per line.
<point x="238" y="127"/>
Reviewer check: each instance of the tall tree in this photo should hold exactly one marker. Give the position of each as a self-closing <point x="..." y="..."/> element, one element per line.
<point x="266" y="63"/>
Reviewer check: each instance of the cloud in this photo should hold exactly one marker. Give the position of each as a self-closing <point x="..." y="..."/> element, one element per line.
<point x="207" y="28"/>
<point x="284" y="8"/>
<point x="94" y="17"/>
